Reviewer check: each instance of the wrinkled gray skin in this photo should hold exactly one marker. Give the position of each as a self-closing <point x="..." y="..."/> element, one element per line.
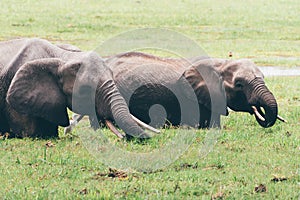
<point x="145" y="80"/>
<point x="37" y="86"/>
<point x="242" y="80"/>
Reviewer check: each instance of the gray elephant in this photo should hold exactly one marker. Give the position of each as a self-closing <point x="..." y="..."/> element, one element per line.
<point x="39" y="81"/>
<point x="147" y="79"/>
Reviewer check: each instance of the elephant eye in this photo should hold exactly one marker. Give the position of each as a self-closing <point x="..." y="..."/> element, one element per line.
<point x="239" y="85"/>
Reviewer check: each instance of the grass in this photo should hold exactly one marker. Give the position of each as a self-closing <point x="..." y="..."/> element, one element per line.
<point x="267" y="32"/>
<point x="245" y="155"/>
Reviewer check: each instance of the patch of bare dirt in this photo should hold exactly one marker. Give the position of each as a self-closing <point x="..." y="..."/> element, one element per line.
<point x="112" y="173"/>
<point x="279" y="178"/>
<point x="260" y="188"/>
<point x="183" y="166"/>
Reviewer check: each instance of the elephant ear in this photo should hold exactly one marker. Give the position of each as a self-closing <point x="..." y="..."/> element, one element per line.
<point x="35" y="91"/>
<point x="207" y="85"/>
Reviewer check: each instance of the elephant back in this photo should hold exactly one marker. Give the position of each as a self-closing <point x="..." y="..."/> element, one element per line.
<point x="134" y="69"/>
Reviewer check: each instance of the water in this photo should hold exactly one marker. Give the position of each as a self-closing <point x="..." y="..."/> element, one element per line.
<point x="280" y="71"/>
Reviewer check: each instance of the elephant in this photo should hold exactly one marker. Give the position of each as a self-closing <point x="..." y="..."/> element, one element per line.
<point x="40" y="80"/>
<point x="148" y="81"/>
<point x="235" y="84"/>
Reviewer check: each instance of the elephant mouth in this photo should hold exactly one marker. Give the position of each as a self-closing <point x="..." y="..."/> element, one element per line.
<point x="260" y="114"/>
<point x="257" y="111"/>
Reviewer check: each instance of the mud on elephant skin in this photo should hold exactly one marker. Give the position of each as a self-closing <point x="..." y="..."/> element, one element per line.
<point x="245" y="89"/>
<point x="39" y="81"/>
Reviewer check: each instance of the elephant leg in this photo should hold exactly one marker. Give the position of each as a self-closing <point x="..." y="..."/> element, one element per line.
<point x="157" y="114"/>
<point x="45" y="129"/>
<point x="95" y="122"/>
<point x="173" y="113"/>
<point x="20" y="125"/>
<point x="215" y="120"/>
<point x="205" y="116"/>
<point x="209" y="119"/>
<point x="4" y="124"/>
<point x="155" y="104"/>
<point x="25" y="126"/>
<point x="141" y="111"/>
<point x="33" y="128"/>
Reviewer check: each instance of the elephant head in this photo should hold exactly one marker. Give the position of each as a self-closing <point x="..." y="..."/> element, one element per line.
<point x="207" y="85"/>
<point x="44" y="88"/>
<point x="246" y="90"/>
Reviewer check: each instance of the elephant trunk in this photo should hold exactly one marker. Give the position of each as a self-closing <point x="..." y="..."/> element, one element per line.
<point x="262" y="97"/>
<point x="117" y="109"/>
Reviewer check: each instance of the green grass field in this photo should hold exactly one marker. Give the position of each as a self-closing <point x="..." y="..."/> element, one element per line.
<point x="266" y="31"/>
<point x="246" y="156"/>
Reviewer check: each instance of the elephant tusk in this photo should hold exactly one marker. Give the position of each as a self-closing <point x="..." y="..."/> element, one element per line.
<point x="113" y="129"/>
<point x="144" y="125"/>
<point x="68" y="129"/>
<point x="281" y="118"/>
<point x="75" y="119"/>
<point x="257" y="114"/>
